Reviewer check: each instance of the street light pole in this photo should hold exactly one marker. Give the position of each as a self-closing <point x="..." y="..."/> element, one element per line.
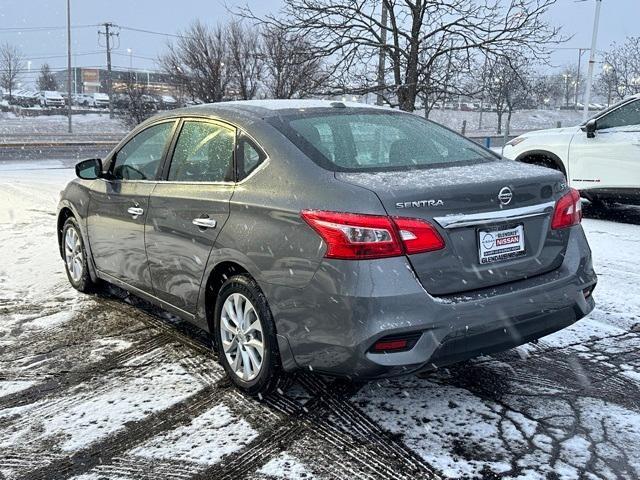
<point x="69" y="64"/>
<point x="592" y="60"/>
<point x="580" y="52"/>
<point x="382" y="53"/>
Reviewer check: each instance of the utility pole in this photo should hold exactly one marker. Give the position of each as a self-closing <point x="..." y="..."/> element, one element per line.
<point x="381" y="55"/>
<point x="580" y="52"/>
<point x="107" y="35"/>
<point x="592" y="60"/>
<point x="69" y="64"/>
<point x="484" y="84"/>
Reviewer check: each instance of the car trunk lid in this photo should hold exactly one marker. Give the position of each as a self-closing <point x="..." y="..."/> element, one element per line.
<point x="470" y="207"/>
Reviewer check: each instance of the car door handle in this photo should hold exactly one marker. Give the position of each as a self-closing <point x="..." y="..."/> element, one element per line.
<point x="204" y="222"/>
<point x="135" y="211"/>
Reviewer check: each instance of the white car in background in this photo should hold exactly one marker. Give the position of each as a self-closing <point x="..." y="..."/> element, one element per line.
<point x="601" y="157"/>
<point x="49" y="98"/>
<point x="100" y="100"/>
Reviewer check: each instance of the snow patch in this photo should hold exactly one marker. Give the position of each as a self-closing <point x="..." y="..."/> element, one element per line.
<point x="285" y="466"/>
<point x="208" y="438"/>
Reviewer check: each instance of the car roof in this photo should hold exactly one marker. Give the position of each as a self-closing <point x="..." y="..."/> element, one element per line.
<point x="268" y="108"/>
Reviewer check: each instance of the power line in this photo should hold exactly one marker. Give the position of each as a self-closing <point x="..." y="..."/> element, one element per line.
<point x="122" y="54"/>
<point x="41" y="29"/>
<point x="47" y="57"/>
<point x="152" y="32"/>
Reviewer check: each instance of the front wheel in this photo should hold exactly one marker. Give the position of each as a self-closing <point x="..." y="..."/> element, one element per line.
<point x="75" y="257"/>
<point x="245" y="336"/>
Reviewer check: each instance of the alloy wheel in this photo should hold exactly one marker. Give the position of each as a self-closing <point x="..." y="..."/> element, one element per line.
<point x="242" y="337"/>
<point x="73" y="254"/>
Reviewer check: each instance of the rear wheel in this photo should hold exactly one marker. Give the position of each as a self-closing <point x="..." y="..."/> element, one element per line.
<point x="75" y="257"/>
<point x="245" y="336"/>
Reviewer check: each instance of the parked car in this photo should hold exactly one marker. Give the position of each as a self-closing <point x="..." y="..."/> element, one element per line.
<point x="25" y="98"/>
<point x="121" y="101"/>
<point x="100" y="100"/>
<point x="168" y="102"/>
<point x="598" y="157"/>
<point x="49" y="99"/>
<point x="150" y="102"/>
<point x="80" y="99"/>
<point x="339" y="238"/>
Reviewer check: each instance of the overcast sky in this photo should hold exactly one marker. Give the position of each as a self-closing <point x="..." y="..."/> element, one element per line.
<point x="619" y="20"/>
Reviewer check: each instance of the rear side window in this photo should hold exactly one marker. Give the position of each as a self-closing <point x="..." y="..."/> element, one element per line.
<point x="624" y="116"/>
<point x="249" y="157"/>
<point x="140" y="158"/>
<point x="203" y="153"/>
<point x="377" y="141"/>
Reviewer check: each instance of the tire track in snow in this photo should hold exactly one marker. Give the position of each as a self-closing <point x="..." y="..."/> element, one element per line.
<point x="58" y="383"/>
<point x="371" y="452"/>
<point x="133" y="434"/>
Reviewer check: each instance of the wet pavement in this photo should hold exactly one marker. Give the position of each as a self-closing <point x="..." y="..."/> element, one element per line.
<point x="109" y="387"/>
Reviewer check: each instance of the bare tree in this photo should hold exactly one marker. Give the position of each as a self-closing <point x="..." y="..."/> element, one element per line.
<point x="137" y="106"/>
<point x="568" y="79"/>
<point x="507" y="87"/>
<point x="622" y="67"/>
<point x="199" y="60"/>
<point x="447" y="77"/>
<point x="546" y="90"/>
<point x="419" y="33"/>
<point x="291" y="67"/>
<point x="11" y="66"/>
<point x="245" y="60"/>
<point x="46" y="79"/>
<point x="607" y="83"/>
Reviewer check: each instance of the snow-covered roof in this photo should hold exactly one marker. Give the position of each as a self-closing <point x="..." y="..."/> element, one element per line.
<point x="298" y="104"/>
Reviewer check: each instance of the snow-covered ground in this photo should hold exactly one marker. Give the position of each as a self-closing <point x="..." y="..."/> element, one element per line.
<point x="11" y="124"/>
<point x="107" y="387"/>
<point x="521" y="121"/>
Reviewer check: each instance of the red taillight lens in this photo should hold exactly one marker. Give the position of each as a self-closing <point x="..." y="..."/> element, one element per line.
<point x="568" y="211"/>
<point x="351" y="236"/>
<point x="418" y="236"/>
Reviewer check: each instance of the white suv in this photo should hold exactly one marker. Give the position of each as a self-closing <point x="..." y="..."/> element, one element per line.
<point x="601" y="157"/>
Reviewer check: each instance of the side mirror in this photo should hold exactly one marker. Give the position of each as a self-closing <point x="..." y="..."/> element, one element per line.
<point x="590" y="127"/>
<point x="89" y="169"/>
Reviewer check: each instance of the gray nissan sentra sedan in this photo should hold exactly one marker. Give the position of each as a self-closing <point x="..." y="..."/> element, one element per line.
<point x="335" y="237"/>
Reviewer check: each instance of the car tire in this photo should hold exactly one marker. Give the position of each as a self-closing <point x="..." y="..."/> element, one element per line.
<point x="75" y="259"/>
<point x="238" y="353"/>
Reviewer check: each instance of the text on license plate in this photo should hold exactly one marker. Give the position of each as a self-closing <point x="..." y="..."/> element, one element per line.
<point x="497" y="245"/>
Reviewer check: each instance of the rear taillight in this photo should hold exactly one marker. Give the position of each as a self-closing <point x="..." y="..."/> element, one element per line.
<point x="351" y="236"/>
<point x="568" y="211"/>
<point x="417" y="235"/>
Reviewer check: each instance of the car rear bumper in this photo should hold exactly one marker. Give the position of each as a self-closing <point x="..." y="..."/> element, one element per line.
<point x="332" y="323"/>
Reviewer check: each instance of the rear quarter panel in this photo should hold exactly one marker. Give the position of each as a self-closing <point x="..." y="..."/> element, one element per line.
<point x="265" y="232"/>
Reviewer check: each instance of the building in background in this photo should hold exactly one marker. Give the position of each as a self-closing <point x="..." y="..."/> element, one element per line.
<point x="92" y="80"/>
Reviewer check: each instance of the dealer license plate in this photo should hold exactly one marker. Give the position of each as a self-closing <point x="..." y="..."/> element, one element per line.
<point x="498" y="245"/>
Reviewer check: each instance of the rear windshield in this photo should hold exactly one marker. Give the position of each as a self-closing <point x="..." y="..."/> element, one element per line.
<point x="377" y="141"/>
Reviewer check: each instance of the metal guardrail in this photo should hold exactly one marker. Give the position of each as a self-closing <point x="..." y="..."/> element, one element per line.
<point x="490" y="141"/>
